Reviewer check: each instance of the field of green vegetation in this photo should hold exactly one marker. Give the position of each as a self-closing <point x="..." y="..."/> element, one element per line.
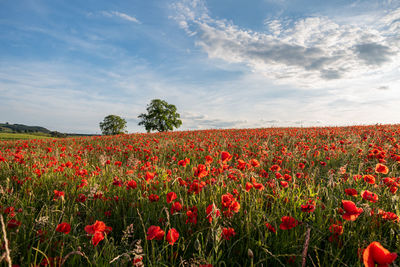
<point x="251" y="197"/>
<point x="17" y="136"/>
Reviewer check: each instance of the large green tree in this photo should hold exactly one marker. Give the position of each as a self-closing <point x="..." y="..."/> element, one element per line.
<point x="113" y="124"/>
<point x="160" y="116"/>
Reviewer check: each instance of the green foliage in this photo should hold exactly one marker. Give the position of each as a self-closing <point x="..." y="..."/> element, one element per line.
<point x="17" y="136"/>
<point x="20" y="128"/>
<point x="58" y="134"/>
<point x="160" y="116"/>
<point x="113" y="124"/>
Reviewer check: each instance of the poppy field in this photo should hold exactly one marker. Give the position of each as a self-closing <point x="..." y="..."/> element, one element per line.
<point x="250" y="197"/>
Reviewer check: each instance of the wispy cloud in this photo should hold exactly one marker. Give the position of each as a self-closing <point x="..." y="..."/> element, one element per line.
<point x="120" y="15"/>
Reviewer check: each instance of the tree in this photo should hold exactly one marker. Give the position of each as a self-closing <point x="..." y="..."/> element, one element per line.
<point x="113" y="124"/>
<point x="160" y="116"/>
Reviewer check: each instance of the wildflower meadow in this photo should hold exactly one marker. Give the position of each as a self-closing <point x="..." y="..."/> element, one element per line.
<point x="242" y="197"/>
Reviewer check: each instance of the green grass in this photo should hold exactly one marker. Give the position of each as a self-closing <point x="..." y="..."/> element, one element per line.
<point x="19" y="136"/>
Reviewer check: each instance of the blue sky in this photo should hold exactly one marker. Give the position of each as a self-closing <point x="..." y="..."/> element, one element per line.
<point x="65" y="65"/>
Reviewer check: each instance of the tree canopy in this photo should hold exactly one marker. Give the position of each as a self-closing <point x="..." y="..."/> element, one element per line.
<point x="160" y="116"/>
<point x="113" y="124"/>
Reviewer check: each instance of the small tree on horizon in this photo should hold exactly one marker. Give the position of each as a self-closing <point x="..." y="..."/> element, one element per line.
<point x="160" y="116"/>
<point x="113" y="124"/>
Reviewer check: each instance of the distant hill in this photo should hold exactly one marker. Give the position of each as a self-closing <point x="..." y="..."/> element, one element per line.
<point x="21" y="128"/>
<point x="35" y="130"/>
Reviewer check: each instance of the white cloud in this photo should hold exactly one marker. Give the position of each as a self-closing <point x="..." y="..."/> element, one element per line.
<point x="120" y="15"/>
<point x="308" y="52"/>
<point x="197" y="121"/>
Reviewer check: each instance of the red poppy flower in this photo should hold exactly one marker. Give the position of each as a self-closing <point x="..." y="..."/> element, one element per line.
<point x="97" y="237"/>
<point x="336" y="229"/>
<point x="155" y="232"/>
<point x="200" y="171"/>
<point x="375" y="253"/>
<point x="196" y="186"/>
<point x="131" y="184"/>
<point x="235" y="206"/>
<point x="287" y="177"/>
<point x="248" y="186"/>
<point x="150" y="176"/>
<point x="177" y="206"/>
<point x="270" y="228"/>
<point x="209" y="159"/>
<point x="97" y="230"/>
<point x="117" y="182"/>
<point x="118" y="163"/>
<point x="351" y="211"/>
<point x="226" y="200"/>
<point x="351" y="192"/>
<point x="13" y="223"/>
<point x="368" y="195"/>
<point x="154" y="198"/>
<point x="171" y="196"/>
<point x="225" y="156"/>
<point x="308" y="208"/>
<point x="64" y="228"/>
<point x="191" y="215"/>
<point x="288" y="222"/>
<point x="389" y="181"/>
<point x="390" y="216"/>
<point x="241" y="165"/>
<point x="393" y="189"/>
<point x="380" y="168"/>
<point x="258" y="186"/>
<point x="284" y="184"/>
<point x="10" y="211"/>
<point x="254" y="163"/>
<point x="369" y="179"/>
<point x="275" y="168"/>
<point x="81" y="198"/>
<point x="58" y="194"/>
<point x="98" y="226"/>
<point x="227" y="233"/>
<point x="172" y="236"/>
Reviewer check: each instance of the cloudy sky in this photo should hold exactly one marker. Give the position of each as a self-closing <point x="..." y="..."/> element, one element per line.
<point x="65" y="65"/>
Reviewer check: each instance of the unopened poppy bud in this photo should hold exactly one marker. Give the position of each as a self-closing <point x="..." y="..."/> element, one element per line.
<point x="250" y="253"/>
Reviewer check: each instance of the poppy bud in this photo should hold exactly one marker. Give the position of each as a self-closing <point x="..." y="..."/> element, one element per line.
<point x="250" y="253"/>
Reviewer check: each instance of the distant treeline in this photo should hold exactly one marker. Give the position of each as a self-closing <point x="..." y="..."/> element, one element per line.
<point x="36" y="130"/>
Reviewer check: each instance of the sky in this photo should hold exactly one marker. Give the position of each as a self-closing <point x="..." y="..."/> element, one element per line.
<point x="65" y="65"/>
